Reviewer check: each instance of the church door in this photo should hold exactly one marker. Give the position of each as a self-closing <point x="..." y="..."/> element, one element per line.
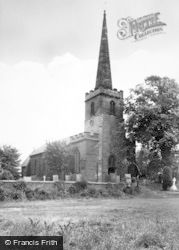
<point x="111" y="164"/>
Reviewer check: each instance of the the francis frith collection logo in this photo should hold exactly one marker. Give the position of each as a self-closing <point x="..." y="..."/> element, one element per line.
<point x="139" y="28"/>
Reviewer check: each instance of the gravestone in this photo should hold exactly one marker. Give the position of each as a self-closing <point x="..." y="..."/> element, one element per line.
<point x="27" y="178"/>
<point x="78" y="177"/>
<point x="117" y="179"/>
<point x="55" y="177"/>
<point x="128" y="179"/>
<point x="113" y="177"/>
<point x="174" y="187"/>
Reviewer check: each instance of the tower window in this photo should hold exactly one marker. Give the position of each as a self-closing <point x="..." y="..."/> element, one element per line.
<point x="112" y="108"/>
<point x="92" y="109"/>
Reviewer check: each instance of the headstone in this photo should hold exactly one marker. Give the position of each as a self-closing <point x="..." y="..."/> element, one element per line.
<point x="67" y="177"/>
<point x="44" y="178"/>
<point x="55" y="177"/>
<point x="117" y="179"/>
<point x="128" y="179"/>
<point x="174" y="187"/>
<point x="113" y="177"/>
<point x="78" y="177"/>
<point x="27" y="178"/>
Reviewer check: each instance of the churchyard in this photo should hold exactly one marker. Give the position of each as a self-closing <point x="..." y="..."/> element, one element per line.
<point x="102" y="223"/>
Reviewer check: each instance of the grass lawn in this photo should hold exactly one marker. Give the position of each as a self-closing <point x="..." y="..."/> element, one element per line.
<point x="76" y="209"/>
<point x="132" y="223"/>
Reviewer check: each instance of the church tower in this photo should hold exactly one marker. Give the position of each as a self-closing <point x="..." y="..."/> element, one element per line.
<point x="104" y="111"/>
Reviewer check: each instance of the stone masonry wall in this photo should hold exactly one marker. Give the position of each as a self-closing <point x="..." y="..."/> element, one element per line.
<point x="49" y="185"/>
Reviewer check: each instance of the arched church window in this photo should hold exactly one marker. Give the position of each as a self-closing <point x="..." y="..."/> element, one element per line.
<point x="111" y="164"/>
<point x="112" y="108"/>
<point x="92" y="109"/>
<point x="77" y="161"/>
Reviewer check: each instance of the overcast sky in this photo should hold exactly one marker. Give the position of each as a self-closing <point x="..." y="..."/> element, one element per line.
<point x="48" y="60"/>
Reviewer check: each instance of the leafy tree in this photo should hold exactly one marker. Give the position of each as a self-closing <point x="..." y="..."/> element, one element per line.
<point x="6" y="175"/>
<point x="9" y="160"/>
<point x="153" y="117"/>
<point x="167" y="178"/>
<point x="142" y="158"/>
<point x="58" y="158"/>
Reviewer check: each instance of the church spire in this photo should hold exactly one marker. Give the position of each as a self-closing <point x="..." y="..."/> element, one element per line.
<point x="103" y="78"/>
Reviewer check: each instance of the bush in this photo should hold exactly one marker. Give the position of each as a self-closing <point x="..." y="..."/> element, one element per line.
<point x="16" y="195"/>
<point x="6" y="175"/>
<point x="103" y="193"/>
<point x="80" y="185"/>
<point x="150" y="239"/>
<point x="128" y="190"/>
<point x="72" y="189"/>
<point x="77" y="187"/>
<point x="2" y="194"/>
<point x="41" y="194"/>
<point x="59" y="186"/>
<point x="92" y="192"/>
<point x="167" y="178"/>
<point x="29" y="193"/>
<point x="10" y="194"/>
<point x="20" y="185"/>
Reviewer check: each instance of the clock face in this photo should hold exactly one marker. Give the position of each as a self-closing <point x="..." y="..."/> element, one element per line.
<point x="91" y="123"/>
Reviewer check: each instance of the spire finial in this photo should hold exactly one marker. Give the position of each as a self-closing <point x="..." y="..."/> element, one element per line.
<point x="103" y="78"/>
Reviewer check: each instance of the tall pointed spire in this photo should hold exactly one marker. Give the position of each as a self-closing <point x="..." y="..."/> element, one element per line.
<point x="103" y="78"/>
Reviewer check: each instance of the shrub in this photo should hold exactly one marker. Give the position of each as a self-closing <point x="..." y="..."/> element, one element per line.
<point x="92" y="192"/>
<point x="10" y="194"/>
<point x="6" y="175"/>
<point x="80" y="185"/>
<point x="77" y="187"/>
<point x="20" y="185"/>
<point x="84" y="193"/>
<point x="29" y="194"/>
<point x="89" y="192"/>
<point x="167" y="178"/>
<point x="103" y="193"/>
<point x="150" y="239"/>
<point x="16" y="194"/>
<point x="2" y="194"/>
<point x="41" y="194"/>
<point x="128" y="190"/>
<point x="59" y="186"/>
<point x="115" y="190"/>
<point x="72" y="189"/>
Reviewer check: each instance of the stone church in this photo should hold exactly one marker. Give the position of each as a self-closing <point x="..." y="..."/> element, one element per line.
<point x="99" y="149"/>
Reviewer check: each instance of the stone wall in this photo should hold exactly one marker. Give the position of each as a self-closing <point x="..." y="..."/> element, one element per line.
<point x="49" y="185"/>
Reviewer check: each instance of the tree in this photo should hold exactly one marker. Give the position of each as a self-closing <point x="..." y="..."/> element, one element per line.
<point x="9" y="159"/>
<point x="58" y="158"/>
<point x="167" y="178"/>
<point x="6" y="175"/>
<point x="142" y="158"/>
<point x="153" y="117"/>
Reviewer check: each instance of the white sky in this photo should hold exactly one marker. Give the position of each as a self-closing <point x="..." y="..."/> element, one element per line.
<point x="48" y="60"/>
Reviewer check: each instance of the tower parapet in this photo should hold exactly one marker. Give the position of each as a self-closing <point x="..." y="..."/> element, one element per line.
<point x="105" y="92"/>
